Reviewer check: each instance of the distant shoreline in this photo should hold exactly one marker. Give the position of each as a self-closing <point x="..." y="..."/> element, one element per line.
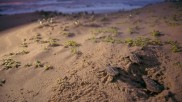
<point x="71" y="7"/>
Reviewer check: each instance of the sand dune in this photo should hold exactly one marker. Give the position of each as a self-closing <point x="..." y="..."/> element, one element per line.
<point x="63" y="58"/>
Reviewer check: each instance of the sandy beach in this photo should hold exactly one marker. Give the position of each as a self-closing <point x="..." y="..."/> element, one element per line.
<point x="49" y="57"/>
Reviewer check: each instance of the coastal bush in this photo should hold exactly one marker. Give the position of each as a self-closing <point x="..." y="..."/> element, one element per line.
<point x="109" y="39"/>
<point x="48" y="67"/>
<point x="28" y="65"/>
<point x="155" y="33"/>
<point x="178" y="64"/>
<point x="175" y="47"/>
<point x="71" y="43"/>
<point x="38" y="64"/>
<point x="111" y="30"/>
<point x="10" y="63"/>
<point x="24" y="44"/>
<point x="130" y="30"/>
<point x="53" y="42"/>
<point x="67" y="34"/>
<point x="75" y="51"/>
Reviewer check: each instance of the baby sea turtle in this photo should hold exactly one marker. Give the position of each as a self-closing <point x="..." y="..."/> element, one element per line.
<point x="134" y="59"/>
<point x="112" y="71"/>
<point x="151" y="85"/>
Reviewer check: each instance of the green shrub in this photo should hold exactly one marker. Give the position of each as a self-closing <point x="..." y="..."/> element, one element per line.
<point x="10" y="63"/>
<point x="71" y="43"/>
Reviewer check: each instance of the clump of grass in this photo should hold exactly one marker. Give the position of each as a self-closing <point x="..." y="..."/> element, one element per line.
<point x="110" y="39"/>
<point x="111" y="30"/>
<point x="179" y="64"/>
<point x="67" y="34"/>
<point x="156" y="33"/>
<point x="97" y="31"/>
<point x="71" y="44"/>
<point x="75" y="51"/>
<point x="28" y="65"/>
<point x="12" y="53"/>
<point x="139" y="41"/>
<point x="2" y="81"/>
<point x="24" y="44"/>
<point x="131" y="30"/>
<point x="65" y="28"/>
<point x="156" y="42"/>
<point x="175" y="46"/>
<point x="53" y="42"/>
<point x="48" y="67"/>
<point x="19" y="53"/>
<point x="22" y="52"/>
<point x="37" y="38"/>
<point x="10" y="63"/>
<point x="38" y="64"/>
<point x="93" y="38"/>
<point x="104" y="18"/>
<point x="129" y="41"/>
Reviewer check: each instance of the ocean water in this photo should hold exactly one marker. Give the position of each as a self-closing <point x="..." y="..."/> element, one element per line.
<point x="71" y="6"/>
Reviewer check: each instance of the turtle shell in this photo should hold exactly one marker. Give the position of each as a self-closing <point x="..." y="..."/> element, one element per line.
<point x="112" y="71"/>
<point x="151" y="85"/>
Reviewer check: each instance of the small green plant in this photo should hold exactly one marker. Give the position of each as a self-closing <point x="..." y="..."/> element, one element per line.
<point x="67" y="34"/>
<point x="104" y="18"/>
<point x="110" y="39"/>
<point x="53" y="42"/>
<point x="129" y="41"/>
<point x="71" y="43"/>
<point x="131" y="30"/>
<point x="2" y="81"/>
<point x="28" y="65"/>
<point x="12" y="53"/>
<point x="179" y="64"/>
<point x="156" y="33"/>
<point x="37" y="38"/>
<point x="93" y="38"/>
<point x="65" y="28"/>
<point x="22" y="52"/>
<point x="112" y="30"/>
<point x="156" y="42"/>
<point x="10" y="63"/>
<point x="48" y="67"/>
<point x="38" y="64"/>
<point x="98" y="31"/>
<point x="24" y="44"/>
<point x="139" y="41"/>
<point x="75" y="51"/>
<point x="175" y="46"/>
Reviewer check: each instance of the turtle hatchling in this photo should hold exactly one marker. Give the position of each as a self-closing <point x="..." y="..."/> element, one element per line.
<point x="112" y="71"/>
<point x="151" y="85"/>
<point x="134" y="59"/>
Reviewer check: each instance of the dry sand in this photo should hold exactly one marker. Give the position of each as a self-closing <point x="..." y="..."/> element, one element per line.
<point x="49" y="71"/>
